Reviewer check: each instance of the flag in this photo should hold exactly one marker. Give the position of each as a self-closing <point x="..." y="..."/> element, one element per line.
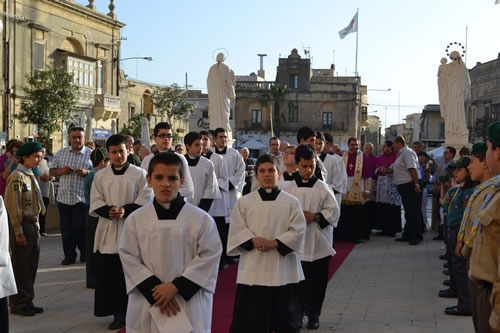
<point x="353" y="27"/>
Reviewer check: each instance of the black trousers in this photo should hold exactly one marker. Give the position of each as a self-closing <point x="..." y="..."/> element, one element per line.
<point x="223" y="229"/>
<point x="42" y="219"/>
<point x="261" y="309"/>
<point x="72" y="221"/>
<point x="312" y="289"/>
<point x="4" y="316"/>
<point x="458" y="271"/>
<point x="480" y="296"/>
<point x="388" y="218"/>
<point x="353" y="224"/>
<point x="25" y="264"/>
<point x="110" y="291"/>
<point x="412" y="203"/>
<point x="89" y="250"/>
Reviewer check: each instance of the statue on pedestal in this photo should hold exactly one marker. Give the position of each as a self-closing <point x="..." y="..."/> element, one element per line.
<point x="454" y="92"/>
<point x="220" y="85"/>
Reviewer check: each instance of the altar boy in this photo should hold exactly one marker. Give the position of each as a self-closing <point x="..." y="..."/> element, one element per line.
<point x="267" y="231"/>
<point x="321" y="213"/>
<point x="117" y="191"/>
<point x="170" y="253"/>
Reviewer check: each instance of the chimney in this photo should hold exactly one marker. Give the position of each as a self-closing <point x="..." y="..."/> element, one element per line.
<point x="261" y="72"/>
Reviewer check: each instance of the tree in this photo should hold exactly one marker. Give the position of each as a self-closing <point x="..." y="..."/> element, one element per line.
<point x="134" y="126"/>
<point x="50" y="98"/>
<point x="170" y="101"/>
<point x="277" y="97"/>
<point x="480" y="128"/>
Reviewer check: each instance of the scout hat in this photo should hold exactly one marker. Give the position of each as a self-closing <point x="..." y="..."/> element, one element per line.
<point x="98" y="155"/>
<point x="462" y="162"/>
<point x="29" y="148"/>
<point x="494" y="133"/>
<point x="479" y="148"/>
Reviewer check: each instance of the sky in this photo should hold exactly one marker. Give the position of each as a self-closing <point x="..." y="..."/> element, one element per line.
<point x="400" y="42"/>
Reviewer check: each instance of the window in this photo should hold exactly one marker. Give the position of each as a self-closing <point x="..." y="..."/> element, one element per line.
<point x="327" y="120"/>
<point x="294" y="81"/>
<point x="100" y="77"/>
<point x="204" y="114"/>
<point x="38" y="56"/>
<point x="256" y="119"/>
<point x="293" y="113"/>
<point x="83" y="72"/>
<point x="441" y="130"/>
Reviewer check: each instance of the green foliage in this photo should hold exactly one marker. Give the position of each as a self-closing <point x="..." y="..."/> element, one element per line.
<point x="479" y="129"/>
<point x="170" y="101"/>
<point x="50" y="98"/>
<point x="134" y="126"/>
<point x="277" y="97"/>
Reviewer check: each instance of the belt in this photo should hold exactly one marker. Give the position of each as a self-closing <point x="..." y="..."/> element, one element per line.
<point x="29" y="220"/>
<point x="484" y="284"/>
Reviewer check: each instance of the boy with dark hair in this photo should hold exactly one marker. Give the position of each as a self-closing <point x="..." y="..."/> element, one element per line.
<point x="117" y="191"/>
<point x="321" y="211"/>
<point x="163" y="136"/>
<point x="170" y="252"/>
<point x="267" y="231"/>
<point x="100" y="160"/>
<point x="307" y="136"/>
<point x="206" y="188"/>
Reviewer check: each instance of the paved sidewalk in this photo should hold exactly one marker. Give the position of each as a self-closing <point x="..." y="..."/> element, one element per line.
<point x="382" y="286"/>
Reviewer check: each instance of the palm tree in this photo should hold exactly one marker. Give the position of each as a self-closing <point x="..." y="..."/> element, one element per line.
<point x="277" y="96"/>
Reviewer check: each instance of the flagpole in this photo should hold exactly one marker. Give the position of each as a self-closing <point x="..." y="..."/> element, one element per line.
<point x="357" y="32"/>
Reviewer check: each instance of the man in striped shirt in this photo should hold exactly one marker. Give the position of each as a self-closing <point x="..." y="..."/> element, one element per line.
<point x="71" y="165"/>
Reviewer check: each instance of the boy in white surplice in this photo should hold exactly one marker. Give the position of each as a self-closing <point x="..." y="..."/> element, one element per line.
<point x="322" y="213"/>
<point x="170" y="251"/>
<point x="267" y="231"/>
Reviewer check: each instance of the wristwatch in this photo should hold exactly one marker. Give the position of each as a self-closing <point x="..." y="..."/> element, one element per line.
<point x="318" y="217"/>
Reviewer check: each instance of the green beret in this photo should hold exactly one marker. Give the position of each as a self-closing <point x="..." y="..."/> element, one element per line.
<point x="494" y="133"/>
<point x="98" y="155"/>
<point x="30" y="148"/>
<point x="462" y="162"/>
<point x="479" y="148"/>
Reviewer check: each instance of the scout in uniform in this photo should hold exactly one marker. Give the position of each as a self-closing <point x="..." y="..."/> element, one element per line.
<point x="484" y="261"/>
<point x="24" y="202"/>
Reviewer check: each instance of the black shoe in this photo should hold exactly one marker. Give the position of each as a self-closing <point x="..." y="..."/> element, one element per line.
<point x="383" y="233"/>
<point x="439" y="237"/>
<point x="445" y="265"/>
<point x="446" y="272"/>
<point x="401" y="239"/>
<point x="456" y="312"/>
<point x="414" y="242"/>
<point x="443" y="257"/>
<point x="451" y="307"/>
<point x="116" y="324"/>
<point x="313" y="323"/>
<point x="67" y="261"/>
<point x="446" y="283"/>
<point x="36" y="309"/>
<point x="448" y="293"/>
<point x="25" y="311"/>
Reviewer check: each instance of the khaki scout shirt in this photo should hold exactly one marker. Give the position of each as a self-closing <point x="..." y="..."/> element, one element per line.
<point x="474" y="210"/>
<point x="21" y="200"/>
<point x="484" y="262"/>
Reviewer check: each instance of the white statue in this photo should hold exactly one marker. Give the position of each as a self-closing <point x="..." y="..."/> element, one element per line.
<point x="220" y="85"/>
<point x="454" y="92"/>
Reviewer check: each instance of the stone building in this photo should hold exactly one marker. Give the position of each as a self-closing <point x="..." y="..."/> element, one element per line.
<point x="371" y="132"/>
<point x="315" y="98"/>
<point x="432" y="127"/>
<point x="412" y="127"/>
<point x="39" y="34"/>
<point x="485" y="96"/>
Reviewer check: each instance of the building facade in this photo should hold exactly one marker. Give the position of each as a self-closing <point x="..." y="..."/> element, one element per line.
<point x="315" y="98"/>
<point x="412" y="127"/>
<point x="432" y="127"/>
<point x="39" y="34"/>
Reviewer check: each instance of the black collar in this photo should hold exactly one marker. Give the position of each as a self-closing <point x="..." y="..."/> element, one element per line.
<point x="171" y="213"/>
<point x="120" y="172"/>
<point x="168" y="151"/>
<point x="269" y="196"/>
<point x="207" y="155"/>
<point x="289" y="177"/>
<point x="221" y="152"/>
<point x="301" y="183"/>
<point x="192" y="161"/>
<point x="323" y="156"/>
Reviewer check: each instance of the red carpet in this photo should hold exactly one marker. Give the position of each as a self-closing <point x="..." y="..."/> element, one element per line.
<point x="222" y="312"/>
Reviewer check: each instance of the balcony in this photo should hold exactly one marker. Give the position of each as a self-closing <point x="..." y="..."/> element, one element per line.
<point x="253" y="86"/>
<point x="106" y="107"/>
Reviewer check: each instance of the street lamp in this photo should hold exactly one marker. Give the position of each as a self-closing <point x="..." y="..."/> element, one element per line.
<point x="117" y="60"/>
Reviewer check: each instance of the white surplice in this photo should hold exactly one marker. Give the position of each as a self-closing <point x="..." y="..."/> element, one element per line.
<point x="204" y="180"/>
<point x="235" y="166"/>
<point x="321" y="167"/>
<point x="113" y="190"/>
<point x="336" y="174"/>
<point x="220" y="206"/>
<point x="317" y="199"/>
<point x="187" y="246"/>
<point x="7" y="279"/>
<point x="187" y="190"/>
<point x="280" y="219"/>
